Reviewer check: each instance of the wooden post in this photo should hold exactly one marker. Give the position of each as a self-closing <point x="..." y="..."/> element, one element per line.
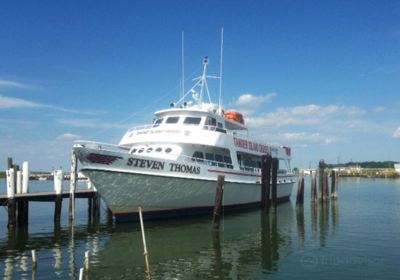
<point x="34" y="261"/>
<point x="109" y="215"/>
<point x="219" y="193"/>
<point x="321" y="169"/>
<point x="265" y="181"/>
<point x="146" y="258"/>
<point x="9" y="163"/>
<point x="86" y="262"/>
<point x="10" y="180"/>
<point x="274" y="167"/>
<point x="81" y="273"/>
<point x="313" y="179"/>
<point x="19" y="182"/>
<point x="25" y="189"/>
<point x="334" y="184"/>
<point x="58" y="182"/>
<point x="25" y="177"/>
<point x="96" y="205"/>
<point x="300" y="191"/>
<point x="326" y="187"/>
<point x="72" y="186"/>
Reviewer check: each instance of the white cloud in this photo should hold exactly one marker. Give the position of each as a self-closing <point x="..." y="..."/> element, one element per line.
<point x="91" y="123"/>
<point x="248" y="103"/>
<point x="68" y="137"/>
<point x="300" y="138"/>
<point x="249" y="100"/>
<point x="310" y="114"/>
<point x="396" y="133"/>
<point x="7" y="102"/>
<point x="379" y="109"/>
<point x="6" y="84"/>
<point x="13" y="102"/>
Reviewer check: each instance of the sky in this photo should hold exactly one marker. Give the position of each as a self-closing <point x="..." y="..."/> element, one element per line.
<point x="320" y="76"/>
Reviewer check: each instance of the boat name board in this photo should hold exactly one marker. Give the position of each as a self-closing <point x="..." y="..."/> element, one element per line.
<point x="245" y="144"/>
<point x="160" y="165"/>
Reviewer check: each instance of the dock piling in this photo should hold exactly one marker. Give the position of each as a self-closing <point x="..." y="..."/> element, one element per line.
<point x="265" y="181"/>
<point x="86" y="262"/>
<point x="10" y="180"/>
<point x="300" y="190"/>
<point x="334" y="181"/>
<point x="321" y="170"/>
<point x="274" y="168"/>
<point x="58" y="182"/>
<point x="313" y="180"/>
<point x="34" y="261"/>
<point x="146" y="258"/>
<point x="72" y="186"/>
<point x="219" y="193"/>
<point x="325" y="187"/>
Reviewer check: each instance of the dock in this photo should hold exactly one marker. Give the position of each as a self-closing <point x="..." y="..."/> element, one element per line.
<point x="46" y="196"/>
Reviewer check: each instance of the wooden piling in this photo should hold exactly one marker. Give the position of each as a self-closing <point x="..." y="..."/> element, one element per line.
<point x="96" y="205"/>
<point x="219" y="193"/>
<point x="34" y="261"/>
<point x="300" y="190"/>
<point x="274" y="168"/>
<point x="86" y="261"/>
<point x="72" y="186"/>
<point x="10" y="180"/>
<point x="326" y="185"/>
<point x="146" y="258"/>
<point x="313" y="179"/>
<point x="334" y="181"/>
<point x="321" y="170"/>
<point x="109" y="215"/>
<point x="58" y="181"/>
<point x="265" y="181"/>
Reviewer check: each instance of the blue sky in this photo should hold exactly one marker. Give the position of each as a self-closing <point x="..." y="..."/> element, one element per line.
<point x="321" y="76"/>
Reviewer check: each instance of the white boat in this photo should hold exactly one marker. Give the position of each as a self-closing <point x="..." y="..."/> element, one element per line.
<point x="170" y="167"/>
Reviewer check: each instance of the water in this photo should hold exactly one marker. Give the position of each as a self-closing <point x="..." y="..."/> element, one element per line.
<point x="356" y="237"/>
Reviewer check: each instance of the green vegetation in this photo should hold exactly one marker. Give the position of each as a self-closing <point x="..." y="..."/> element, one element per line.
<point x="365" y="164"/>
<point x="2" y="174"/>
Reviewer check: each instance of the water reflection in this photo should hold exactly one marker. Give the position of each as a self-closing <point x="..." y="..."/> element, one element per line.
<point x="250" y="242"/>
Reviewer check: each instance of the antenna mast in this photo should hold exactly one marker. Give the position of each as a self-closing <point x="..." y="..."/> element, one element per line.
<point x="220" y="67"/>
<point x="183" y="65"/>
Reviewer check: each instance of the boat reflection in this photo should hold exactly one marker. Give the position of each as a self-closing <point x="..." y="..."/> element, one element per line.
<point x="249" y="245"/>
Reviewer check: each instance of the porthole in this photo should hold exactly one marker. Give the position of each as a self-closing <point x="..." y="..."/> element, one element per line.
<point x="141" y="150"/>
<point x="149" y="150"/>
<point x="133" y="151"/>
<point x="168" y="150"/>
<point x="158" y="149"/>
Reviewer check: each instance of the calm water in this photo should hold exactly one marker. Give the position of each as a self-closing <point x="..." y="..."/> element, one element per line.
<point x="357" y="237"/>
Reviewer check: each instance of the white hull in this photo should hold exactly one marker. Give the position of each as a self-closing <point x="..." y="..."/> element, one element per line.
<point x="125" y="192"/>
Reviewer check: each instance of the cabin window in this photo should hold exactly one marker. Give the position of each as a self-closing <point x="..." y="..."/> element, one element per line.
<point x="198" y="156"/>
<point x="220" y="160"/>
<point x="211" y="121"/>
<point x="141" y="150"/>
<point x="157" y="122"/>
<point x="210" y="159"/>
<point x="220" y="128"/>
<point x="149" y="150"/>
<point x="168" y="150"/>
<point x="228" y="161"/>
<point x="133" y="151"/>
<point x="192" y="120"/>
<point x="172" y="120"/>
<point x="158" y="149"/>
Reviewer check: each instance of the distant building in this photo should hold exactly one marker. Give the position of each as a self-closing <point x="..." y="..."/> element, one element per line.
<point x="397" y="167"/>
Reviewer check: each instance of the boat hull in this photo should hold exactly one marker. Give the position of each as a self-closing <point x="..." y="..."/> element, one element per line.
<point x="168" y="196"/>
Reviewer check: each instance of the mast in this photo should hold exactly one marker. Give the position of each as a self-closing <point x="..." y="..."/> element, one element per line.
<point x="183" y="65"/>
<point x="220" y="67"/>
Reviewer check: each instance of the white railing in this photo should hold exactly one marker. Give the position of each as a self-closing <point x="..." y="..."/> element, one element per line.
<point x="99" y="146"/>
